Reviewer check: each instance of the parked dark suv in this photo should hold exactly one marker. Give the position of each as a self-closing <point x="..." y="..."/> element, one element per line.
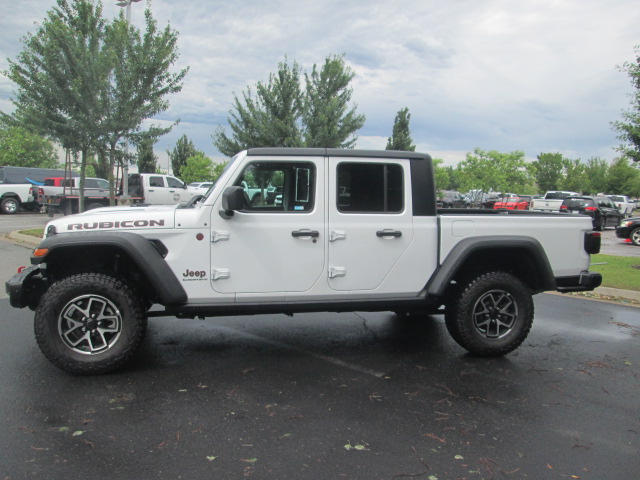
<point x="601" y="209"/>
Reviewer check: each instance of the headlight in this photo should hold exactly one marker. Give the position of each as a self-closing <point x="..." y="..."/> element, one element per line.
<point x="625" y="223"/>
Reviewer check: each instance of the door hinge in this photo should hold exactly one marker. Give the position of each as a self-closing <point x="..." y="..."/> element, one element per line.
<point x="218" y="236"/>
<point x="337" y="272"/>
<point x="220" y="273"/>
<point x="337" y="235"/>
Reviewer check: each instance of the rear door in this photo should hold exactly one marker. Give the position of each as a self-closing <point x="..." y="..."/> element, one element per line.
<point x="370" y="221"/>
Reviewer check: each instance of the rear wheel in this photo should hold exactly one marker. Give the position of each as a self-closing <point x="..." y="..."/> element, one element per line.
<point x="90" y="323"/>
<point x="9" y="205"/>
<point x="492" y="315"/>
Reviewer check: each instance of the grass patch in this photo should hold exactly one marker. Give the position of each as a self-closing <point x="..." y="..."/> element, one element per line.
<point x="618" y="272"/>
<point x="34" y="232"/>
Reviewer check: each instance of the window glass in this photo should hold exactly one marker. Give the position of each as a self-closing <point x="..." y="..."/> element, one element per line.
<point x="156" y="181"/>
<point x="174" y="183"/>
<point x="370" y="188"/>
<point x="278" y="186"/>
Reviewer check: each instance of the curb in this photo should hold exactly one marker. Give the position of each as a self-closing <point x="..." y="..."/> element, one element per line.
<point x="28" y="241"/>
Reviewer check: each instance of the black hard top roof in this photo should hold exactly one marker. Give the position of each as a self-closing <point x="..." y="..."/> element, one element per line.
<point x="338" y="152"/>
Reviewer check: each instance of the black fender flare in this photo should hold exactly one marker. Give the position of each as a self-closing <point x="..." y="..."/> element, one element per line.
<point x="467" y="247"/>
<point x="140" y="249"/>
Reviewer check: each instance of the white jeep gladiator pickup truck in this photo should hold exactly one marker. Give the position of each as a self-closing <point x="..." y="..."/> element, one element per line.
<point x="351" y="231"/>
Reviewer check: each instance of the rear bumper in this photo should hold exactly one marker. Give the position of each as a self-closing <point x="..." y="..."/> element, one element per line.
<point x="584" y="282"/>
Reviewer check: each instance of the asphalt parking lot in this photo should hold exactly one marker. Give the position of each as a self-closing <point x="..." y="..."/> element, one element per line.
<point x="330" y="396"/>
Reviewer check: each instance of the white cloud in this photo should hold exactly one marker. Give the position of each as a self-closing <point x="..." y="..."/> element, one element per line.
<point x="537" y="76"/>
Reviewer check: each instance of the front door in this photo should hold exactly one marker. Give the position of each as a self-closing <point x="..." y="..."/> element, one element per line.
<point x="370" y="221"/>
<point x="276" y="243"/>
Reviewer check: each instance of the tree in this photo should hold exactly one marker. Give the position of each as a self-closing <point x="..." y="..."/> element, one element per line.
<point x="629" y="127"/>
<point x="278" y="114"/>
<point x="549" y="171"/>
<point x="21" y="148"/>
<point x="325" y="118"/>
<point x="147" y="160"/>
<point x="88" y="84"/>
<point x="622" y="178"/>
<point x="181" y="152"/>
<point x="575" y="178"/>
<point x="597" y="171"/>
<point x="268" y="119"/>
<point x="495" y="171"/>
<point x="401" y="136"/>
<point x="197" y="168"/>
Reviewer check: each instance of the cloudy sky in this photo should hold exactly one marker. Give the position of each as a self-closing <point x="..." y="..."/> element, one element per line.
<point x="535" y="75"/>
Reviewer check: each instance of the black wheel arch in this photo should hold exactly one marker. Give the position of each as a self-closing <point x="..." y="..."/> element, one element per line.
<point x="520" y="255"/>
<point x="135" y="258"/>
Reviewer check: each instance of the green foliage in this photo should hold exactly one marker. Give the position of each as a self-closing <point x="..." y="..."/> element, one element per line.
<point x="629" y="127"/>
<point x="21" y="148"/>
<point x="197" y="168"/>
<point x="88" y="83"/>
<point x="441" y="175"/>
<point x="623" y="178"/>
<point x="495" y="171"/>
<point x="575" y="177"/>
<point x="280" y="115"/>
<point x="181" y="152"/>
<point x="401" y="136"/>
<point x="597" y="171"/>
<point x="147" y="160"/>
<point x="549" y="171"/>
<point x="325" y="118"/>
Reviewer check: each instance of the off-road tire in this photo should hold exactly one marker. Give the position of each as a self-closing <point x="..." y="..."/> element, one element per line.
<point x="90" y="323"/>
<point x="492" y="315"/>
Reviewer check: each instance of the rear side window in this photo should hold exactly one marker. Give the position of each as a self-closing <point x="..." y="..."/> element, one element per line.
<point x="370" y="188"/>
<point x="579" y="202"/>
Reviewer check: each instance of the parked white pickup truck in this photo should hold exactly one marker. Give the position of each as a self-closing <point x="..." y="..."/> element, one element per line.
<point x="14" y="196"/>
<point x="551" y="201"/>
<point x="352" y="231"/>
<point x="625" y="206"/>
<point x="157" y="189"/>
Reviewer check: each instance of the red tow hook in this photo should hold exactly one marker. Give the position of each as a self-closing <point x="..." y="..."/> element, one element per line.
<point x="20" y="269"/>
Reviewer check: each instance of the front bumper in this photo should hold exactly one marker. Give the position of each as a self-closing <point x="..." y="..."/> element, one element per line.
<point x="25" y="288"/>
<point x="623" y="232"/>
<point x="584" y="282"/>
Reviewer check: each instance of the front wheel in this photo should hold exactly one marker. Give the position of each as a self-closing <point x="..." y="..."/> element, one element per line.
<point x="90" y="323"/>
<point x="635" y="236"/>
<point x="492" y="315"/>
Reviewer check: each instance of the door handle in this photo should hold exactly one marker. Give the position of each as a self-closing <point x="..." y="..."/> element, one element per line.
<point x="388" y="233"/>
<point x="305" y="233"/>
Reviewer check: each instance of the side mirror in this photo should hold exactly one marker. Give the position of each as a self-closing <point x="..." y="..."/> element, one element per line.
<point x="232" y="200"/>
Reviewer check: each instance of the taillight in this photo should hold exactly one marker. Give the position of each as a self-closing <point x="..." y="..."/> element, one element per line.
<point x="592" y="242"/>
<point x="563" y="208"/>
<point x="591" y="209"/>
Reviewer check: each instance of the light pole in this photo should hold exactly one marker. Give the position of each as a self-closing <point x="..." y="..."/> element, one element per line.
<point x="125" y="169"/>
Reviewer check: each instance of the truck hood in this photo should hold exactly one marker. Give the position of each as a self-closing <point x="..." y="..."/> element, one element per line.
<point x="127" y="218"/>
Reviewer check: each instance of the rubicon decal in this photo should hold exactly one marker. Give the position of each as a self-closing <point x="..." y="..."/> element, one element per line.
<point x="122" y="224"/>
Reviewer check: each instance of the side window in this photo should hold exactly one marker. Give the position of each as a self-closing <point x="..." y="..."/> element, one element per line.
<point x="156" y="181"/>
<point x="279" y="186"/>
<point x="370" y="188"/>
<point x="174" y="183"/>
